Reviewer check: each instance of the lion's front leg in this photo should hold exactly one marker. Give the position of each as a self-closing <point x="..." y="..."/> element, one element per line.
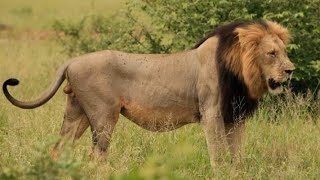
<point x="214" y="130"/>
<point x="235" y="135"/>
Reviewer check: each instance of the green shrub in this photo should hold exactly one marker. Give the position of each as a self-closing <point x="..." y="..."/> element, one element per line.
<point x="169" y="26"/>
<point x="43" y="167"/>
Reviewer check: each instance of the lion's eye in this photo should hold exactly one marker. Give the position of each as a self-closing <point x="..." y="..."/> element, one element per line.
<point x="272" y="54"/>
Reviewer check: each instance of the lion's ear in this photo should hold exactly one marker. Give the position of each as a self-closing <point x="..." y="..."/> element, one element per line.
<point x="280" y="31"/>
<point x="250" y="36"/>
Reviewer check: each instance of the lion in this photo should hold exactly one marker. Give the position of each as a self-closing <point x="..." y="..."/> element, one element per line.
<point x="217" y="84"/>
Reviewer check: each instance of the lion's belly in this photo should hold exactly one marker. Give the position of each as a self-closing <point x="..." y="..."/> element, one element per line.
<point x="160" y="119"/>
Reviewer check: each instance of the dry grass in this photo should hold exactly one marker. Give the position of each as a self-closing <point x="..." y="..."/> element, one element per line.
<point x="39" y="14"/>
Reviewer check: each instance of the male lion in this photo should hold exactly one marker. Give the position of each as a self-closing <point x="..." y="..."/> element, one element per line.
<point x="217" y="84"/>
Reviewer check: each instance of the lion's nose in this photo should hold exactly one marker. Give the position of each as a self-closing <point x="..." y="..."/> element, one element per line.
<point x="288" y="71"/>
<point x="289" y="68"/>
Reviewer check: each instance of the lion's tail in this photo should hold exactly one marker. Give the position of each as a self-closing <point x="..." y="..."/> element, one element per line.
<point x="60" y="77"/>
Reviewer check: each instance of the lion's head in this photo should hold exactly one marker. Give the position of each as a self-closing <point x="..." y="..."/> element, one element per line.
<point x="264" y="63"/>
<point x="251" y="59"/>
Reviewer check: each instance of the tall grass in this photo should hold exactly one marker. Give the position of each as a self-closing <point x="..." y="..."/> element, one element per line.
<point x="39" y="14"/>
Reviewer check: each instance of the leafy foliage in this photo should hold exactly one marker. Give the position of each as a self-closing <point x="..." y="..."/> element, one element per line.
<point x="43" y="167"/>
<point x="160" y="26"/>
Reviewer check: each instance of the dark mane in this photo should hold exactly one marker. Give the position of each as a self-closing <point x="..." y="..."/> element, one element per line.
<point x="236" y="104"/>
<point x="227" y="29"/>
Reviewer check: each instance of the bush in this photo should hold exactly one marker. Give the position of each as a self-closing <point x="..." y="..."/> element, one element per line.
<point x="43" y="167"/>
<point x="169" y="26"/>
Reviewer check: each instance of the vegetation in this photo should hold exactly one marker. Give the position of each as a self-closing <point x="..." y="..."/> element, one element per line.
<point x="163" y="27"/>
<point x="282" y="139"/>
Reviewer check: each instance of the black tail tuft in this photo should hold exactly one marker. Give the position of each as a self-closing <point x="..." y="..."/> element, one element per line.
<point x="11" y="82"/>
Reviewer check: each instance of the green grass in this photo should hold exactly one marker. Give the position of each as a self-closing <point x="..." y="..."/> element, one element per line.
<point x="39" y="14"/>
<point x="282" y="139"/>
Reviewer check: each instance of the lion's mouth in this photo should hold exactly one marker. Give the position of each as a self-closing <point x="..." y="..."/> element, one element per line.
<point x="274" y="84"/>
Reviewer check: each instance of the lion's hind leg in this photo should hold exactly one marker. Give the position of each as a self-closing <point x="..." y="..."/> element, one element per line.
<point x="74" y="124"/>
<point x="103" y="113"/>
<point x="102" y="127"/>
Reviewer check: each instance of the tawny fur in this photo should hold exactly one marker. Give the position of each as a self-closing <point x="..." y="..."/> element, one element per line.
<point x="165" y="92"/>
